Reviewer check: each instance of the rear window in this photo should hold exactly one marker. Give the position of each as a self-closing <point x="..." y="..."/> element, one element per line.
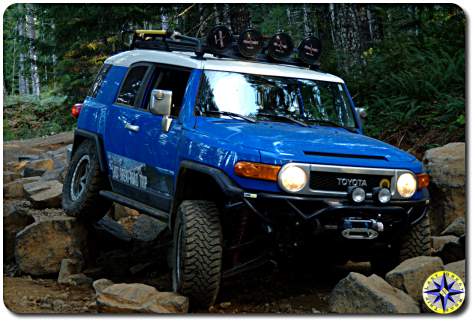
<point x="132" y="85"/>
<point x="99" y="80"/>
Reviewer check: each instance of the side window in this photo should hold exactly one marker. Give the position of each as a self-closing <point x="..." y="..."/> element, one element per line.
<point x="99" y="80"/>
<point x="132" y="84"/>
<point x="174" y="80"/>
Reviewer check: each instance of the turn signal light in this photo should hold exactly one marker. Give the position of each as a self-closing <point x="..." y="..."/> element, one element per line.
<point x="257" y="171"/>
<point x="76" y="110"/>
<point x="423" y="181"/>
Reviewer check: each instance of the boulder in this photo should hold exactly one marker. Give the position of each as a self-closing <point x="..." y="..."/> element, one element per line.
<point x="458" y="268"/>
<point x="452" y="251"/>
<point x="44" y="194"/>
<point x="27" y="157"/>
<point x="456" y="228"/>
<point x="15" y="218"/>
<point x="77" y="280"/>
<point x="139" y="298"/>
<point x="30" y="172"/>
<point x="121" y="211"/>
<point x="14" y="190"/>
<point x="68" y="268"/>
<point x="146" y="228"/>
<point x="358" y="294"/>
<point x="10" y="176"/>
<point x="43" y="164"/>
<point x="411" y="274"/>
<point x="446" y="166"/>
<point x="101" y="284"/>
<point x="41" y="246"/>
<point x="57" y="174"/>
<point x="440" y="241"/>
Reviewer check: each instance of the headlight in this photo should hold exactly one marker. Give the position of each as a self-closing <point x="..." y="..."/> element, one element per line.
<point x="406" y="185"/>
<point x="292" y="178"/>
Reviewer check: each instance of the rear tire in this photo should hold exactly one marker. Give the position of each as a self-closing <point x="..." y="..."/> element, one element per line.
<point x="82" y="185"/>
<point x="414" y="243"/>
<point x="197" y="252"/>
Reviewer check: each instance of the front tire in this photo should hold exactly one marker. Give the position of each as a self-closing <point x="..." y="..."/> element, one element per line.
<point x="197" y="252"/>
<point x="82" y="185"/>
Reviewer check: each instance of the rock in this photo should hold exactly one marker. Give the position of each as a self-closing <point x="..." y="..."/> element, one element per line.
<point x="41" y="246"/>
<point x="411" y="274"/>
<point x="15" y="218"/>
<point x="44" y="194"/>
<point x="446" y="166"/>
<point x="77" y="280"/>
<point x="10" y="176"/>
<point x="43" y="164"/>
<point x="139" y="298"/>
<point x="456" y="228"/>
<point x="111" y="227"/>
<point x="440" y="241"/>
<point x="14" y="190"/>
<point x="101" y="284"/>
<point x="57" y="174"/>
<point x="358" y="294"/>
<point x="121" y="211"/>
<point x="146" y="228"/>
<point x="30" y="172"/>
<point x="458" y="268"/>
<point x="27" y="157"/>
<point x="452" y="251"/>
<point x="68" y="267"/>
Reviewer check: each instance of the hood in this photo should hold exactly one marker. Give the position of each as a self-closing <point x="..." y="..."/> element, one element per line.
<point x="299" y="143"/>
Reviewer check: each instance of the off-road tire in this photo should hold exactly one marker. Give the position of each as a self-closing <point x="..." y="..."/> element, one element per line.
<point x="414" y="243"/>
<point x="89" y="206"/>
<point x="197" y="252"/>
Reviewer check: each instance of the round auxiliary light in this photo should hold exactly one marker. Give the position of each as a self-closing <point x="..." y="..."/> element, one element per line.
<point x="309" y="50"/>
<point x="384" y="195"/>
<point x="406" y="185"/>
<point x="292" y="178"/>
<point x="219" y="39"/>
<point x="280" y="46"/>
<point x="358" y="194"/>
<point x="250" y="43"/>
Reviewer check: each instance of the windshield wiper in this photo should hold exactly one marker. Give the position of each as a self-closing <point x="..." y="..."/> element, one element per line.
<point x="333" y="124"/>
<point x="280" y="117"/>
<point x="231" y="114"/>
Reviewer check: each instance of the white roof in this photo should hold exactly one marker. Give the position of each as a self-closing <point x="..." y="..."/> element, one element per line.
<point x="218" y="64"/>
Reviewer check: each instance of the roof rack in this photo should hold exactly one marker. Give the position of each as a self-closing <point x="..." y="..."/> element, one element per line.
<point x="250" y="45"/>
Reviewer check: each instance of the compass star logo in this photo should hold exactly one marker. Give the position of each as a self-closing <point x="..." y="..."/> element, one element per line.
<point x="443" y="292"/>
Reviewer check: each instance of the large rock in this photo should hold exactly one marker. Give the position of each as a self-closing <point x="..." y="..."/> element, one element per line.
<point x="411" y="274"/>
<point x="43" y="164"/>
<point x="456" y="228"/>
<point x="439" y="241"/>
<point x="458" y="268"/>
<point x="358" y="294"/>
<point x="146" y="228"/>
<point x="15" y="218"/>
<point x="9" y="176"/>
<point x="68" y="268"/>
<point x="121" y="211"/>
<point x="139" y="298"/>
<point x="41" y="246"/>
<point x="14" y="190"/>
<point x="452" y="251"/>
<point x="44" y="194"/>
<point x="446" y="166"/>
<point x="57" y="174"/>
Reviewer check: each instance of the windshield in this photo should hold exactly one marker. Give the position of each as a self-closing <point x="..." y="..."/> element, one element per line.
<point x="261" y="97"/>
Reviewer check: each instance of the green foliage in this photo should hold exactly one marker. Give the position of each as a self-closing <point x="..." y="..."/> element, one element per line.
<point x="28" y="116"/>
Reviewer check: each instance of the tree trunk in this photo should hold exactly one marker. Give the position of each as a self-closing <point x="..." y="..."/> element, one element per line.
<point x="240" y="19"/>
<point x="31" y="34"/>
<point x="23" y="88"/>
<point x="306" y="20"/>
<point x="227" y="16"/>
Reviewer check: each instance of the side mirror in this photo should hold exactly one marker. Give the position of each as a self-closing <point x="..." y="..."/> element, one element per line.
<point x="161" y="105"/>
<point x="361" y="112"/>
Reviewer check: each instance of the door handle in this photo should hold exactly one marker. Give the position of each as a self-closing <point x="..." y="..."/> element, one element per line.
<point x="132" y="127"/>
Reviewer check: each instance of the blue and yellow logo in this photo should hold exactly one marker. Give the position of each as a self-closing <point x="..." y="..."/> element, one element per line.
<point x="443" y="292"/>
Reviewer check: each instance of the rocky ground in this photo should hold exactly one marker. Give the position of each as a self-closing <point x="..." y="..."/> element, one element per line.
<point x="52" y="264"/>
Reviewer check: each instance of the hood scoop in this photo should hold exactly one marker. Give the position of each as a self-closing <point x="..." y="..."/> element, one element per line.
<point x="325" y="154"/>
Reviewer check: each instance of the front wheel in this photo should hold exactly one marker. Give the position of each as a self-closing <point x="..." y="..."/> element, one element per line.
<point x="197" y="252"/>
<point x="82" y="185"/>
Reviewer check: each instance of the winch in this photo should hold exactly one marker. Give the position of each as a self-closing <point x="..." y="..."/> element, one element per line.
<point x="357" y="228"/>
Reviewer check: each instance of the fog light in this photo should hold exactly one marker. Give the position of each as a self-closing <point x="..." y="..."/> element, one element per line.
<point x="357" y="194"/>
<point x="383" y="195"/>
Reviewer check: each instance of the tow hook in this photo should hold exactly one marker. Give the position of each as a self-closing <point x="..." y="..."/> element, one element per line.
<point x="354" y="228"/>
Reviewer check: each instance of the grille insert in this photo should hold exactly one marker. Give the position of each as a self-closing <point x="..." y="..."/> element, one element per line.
<point x="329" y="181"/>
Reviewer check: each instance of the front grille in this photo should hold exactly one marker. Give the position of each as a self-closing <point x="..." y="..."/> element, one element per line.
<point x="327" y="181"/>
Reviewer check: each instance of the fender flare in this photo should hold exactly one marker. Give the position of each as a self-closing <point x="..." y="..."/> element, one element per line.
<point x="80" y="135"/>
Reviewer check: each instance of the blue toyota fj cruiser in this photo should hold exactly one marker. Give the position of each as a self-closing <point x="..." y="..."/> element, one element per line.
<point x="248" y="152"/>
